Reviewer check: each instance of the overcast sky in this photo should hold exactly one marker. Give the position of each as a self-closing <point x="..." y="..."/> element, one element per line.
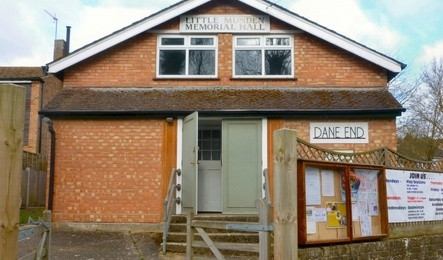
<point x="407" y="30"/>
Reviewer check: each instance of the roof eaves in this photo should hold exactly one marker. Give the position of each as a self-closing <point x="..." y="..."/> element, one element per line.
<point x="259" y="112"/>
<point x="123" y="34"/>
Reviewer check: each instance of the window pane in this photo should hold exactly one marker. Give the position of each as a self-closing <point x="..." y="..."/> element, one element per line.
<point x="248" y="41"/>
<point x="206" y="145"/>
<point x="172" y="62"/>
<point x="215" y="155"/>
<point x="277" y="41"/>
<point x="278" y="62"/>
<point x="201" y="62"/>
<point x="173" y="41"/>
<point x="202" y="41"/>
<point x="216" y="144"/>
<point x="206" y="134"/>
<point x="207" y="155"/>
<point x="248" y="63"/>
<point x="216" y="134"/>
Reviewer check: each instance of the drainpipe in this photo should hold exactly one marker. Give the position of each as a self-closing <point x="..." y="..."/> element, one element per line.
<point x="51" y="165"/>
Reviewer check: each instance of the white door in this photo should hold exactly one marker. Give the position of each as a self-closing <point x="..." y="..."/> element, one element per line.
<point x="209" y="167"/>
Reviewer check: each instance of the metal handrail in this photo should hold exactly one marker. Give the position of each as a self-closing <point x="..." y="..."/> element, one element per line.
<point x="266" y="187"/>
<point x="168" y="205"/>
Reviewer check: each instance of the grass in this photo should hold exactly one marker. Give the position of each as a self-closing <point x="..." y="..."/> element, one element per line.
<point x="34" y="213"/>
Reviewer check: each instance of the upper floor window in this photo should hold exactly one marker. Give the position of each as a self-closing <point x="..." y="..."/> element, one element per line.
<point x="263" y="56"/>
<point x="187" y="56"/>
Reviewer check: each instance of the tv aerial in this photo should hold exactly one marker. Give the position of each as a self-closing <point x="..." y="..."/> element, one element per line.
<point x="54" y="17"/>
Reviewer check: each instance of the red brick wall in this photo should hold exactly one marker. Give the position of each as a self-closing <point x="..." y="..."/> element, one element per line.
<point x="33" y="123"/>
<point x="382" y="132"/>
<point x="108" y="171"/>
<point x="133" y="62"/>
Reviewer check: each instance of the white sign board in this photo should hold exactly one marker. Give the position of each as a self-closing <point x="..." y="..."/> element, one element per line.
<point x="345" y="133"/>
<point x="224" y="23"/>
<point x="414" y="196"/>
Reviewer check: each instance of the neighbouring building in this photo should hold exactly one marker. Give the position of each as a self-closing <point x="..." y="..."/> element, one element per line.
<point x="40" y="88"/>
<point x="201" y="86"/>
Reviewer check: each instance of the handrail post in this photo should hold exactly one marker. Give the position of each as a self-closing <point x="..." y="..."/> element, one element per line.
<point x="167" y="207"/>
<point x="189" y="236"/>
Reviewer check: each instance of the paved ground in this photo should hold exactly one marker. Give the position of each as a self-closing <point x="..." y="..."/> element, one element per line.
<point x="97" y="245"/>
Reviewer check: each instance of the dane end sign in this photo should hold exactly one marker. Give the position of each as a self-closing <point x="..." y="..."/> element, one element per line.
<point x="329" y="132"/>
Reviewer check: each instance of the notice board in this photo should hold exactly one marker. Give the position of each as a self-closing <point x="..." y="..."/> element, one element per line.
<point x="341" y="203"/>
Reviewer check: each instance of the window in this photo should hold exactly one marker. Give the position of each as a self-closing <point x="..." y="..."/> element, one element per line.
<point x="263" y="56"/>
<point x="187" y="56"/>
<point x="209" y="143"/>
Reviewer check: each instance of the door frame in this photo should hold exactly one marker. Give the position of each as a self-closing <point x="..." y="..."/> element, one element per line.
<point x="179" y="153"/>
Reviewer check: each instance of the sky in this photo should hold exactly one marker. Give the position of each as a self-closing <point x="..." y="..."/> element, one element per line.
<point x="407" y="30"/>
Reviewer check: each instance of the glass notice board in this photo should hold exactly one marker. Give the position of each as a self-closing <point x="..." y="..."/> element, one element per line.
<point x="340" y="203"/>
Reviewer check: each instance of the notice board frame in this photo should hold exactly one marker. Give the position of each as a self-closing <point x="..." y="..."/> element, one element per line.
<point x="349" y="229"/>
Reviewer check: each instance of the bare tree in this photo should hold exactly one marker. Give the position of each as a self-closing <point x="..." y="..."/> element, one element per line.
<point x="421" y="132"/>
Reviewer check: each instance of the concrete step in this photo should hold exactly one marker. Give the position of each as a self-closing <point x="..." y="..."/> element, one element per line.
<point x="217" y="237"/>
<point x="177" y="247"/>
<point x="181" y="218"/>
<point x="176" y="242"/>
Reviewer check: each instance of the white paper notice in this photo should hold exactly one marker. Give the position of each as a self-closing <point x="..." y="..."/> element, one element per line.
<point x="327" y="183"/>
<point x="319" y="214"/>
<point x="311" y="227"/>
<point x="366" y="225"/>
<point x="355" y="212"/>
<point x="312" y="186"/>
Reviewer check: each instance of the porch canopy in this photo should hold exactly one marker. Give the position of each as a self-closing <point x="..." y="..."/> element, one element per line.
<point x="259" y="101"/>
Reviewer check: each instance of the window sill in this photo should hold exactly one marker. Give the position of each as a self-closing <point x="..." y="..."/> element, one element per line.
<point x="264" y="78"/>
<point x="185" y="78"/>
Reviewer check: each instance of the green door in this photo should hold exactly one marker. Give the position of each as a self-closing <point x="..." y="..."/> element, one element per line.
<point x="241" y="164"/>
<point x="189" y="163"/>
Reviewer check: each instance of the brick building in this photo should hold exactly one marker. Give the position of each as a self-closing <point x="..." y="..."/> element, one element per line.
<point x="201" y="86"/>
<point x="40" y="88"/>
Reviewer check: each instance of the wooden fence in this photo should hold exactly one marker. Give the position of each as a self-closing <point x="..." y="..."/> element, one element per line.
<point x="33" y="183"/>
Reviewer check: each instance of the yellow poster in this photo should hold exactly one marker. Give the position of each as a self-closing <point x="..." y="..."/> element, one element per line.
<point x="336" y="215"/>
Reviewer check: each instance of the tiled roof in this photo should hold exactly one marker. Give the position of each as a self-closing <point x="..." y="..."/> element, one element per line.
<point x="182" y="100"/>
<point x="20" y="73"/>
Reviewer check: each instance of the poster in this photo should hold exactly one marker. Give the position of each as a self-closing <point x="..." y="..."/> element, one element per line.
<point x="312" y="186"/>
<point x="311" y="224"/>
<point x="327" y="183"/>
<point x="354" y="182"/>
<point x="414" y="196"/>
<point x="368" y="190"/>
<point x="336" y="215"/>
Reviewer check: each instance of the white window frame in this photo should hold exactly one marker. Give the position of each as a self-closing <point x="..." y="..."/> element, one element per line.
<point x="263" y="47"/>
<point x="187" y="47"/>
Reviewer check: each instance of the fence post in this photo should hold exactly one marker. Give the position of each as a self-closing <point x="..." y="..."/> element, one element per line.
<point x="47" y="217"/>
<point x="28" y="183"/>
<point x="12" y="118"/>
<point x="189" y="236"/>
<point x="285" y="194"/>
<point x="264" y="246"/>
